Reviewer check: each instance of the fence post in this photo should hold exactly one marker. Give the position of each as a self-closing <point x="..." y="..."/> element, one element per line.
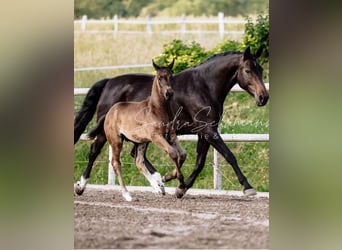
<point x="116" y="24"/>
<point x="221" y="24"/>
<point x="111" y="173"/>
<point x="183" y="25"/>
<point x="217" y="167"/>
<point x="148" y="25"/>
<point x="84" y="23"/>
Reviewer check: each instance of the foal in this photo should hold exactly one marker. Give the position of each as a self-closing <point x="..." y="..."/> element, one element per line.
<point x="144" y="122"/>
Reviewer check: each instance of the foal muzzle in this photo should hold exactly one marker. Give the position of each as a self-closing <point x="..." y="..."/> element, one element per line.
<point x="168" y="94"/>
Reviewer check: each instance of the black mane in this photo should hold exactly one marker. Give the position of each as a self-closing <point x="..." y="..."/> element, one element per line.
<point x="218" y="55"/>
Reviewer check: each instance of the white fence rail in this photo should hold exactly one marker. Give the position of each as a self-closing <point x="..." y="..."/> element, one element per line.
<point x="194" y="138"/>
<point x="149" y="23"/>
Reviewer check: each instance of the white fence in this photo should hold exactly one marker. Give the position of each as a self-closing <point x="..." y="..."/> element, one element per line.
<point x="193" y="138"/>
<point x="150" y="23"/>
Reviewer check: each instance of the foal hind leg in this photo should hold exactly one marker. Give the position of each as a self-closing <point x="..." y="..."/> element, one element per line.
<point x="155" y="178"/>
<point x="116" y="149"/>
<point x="95" y="150"/>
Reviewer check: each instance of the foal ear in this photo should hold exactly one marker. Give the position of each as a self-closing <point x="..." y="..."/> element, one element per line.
<point x="156" y="67"/>
<point x="170" y="66"/>
<point x="259" y="51"/>
<point x="247" y="54"/>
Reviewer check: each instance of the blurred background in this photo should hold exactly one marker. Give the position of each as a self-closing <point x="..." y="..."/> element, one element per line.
<point x="37" y="111"/>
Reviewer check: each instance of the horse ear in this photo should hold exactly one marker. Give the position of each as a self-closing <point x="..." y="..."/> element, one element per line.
<point x="247" y="53"/>
<point x="259" y="51"/>
<point x="171" y="64"/>
<point x="156" y="67"/>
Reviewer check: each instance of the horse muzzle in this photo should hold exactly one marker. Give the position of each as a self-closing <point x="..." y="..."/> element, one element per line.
<point x="168" y="94"/>
<point x="262" y="99"/>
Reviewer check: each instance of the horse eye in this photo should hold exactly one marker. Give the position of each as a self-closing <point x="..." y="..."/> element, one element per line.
<point x="247" y="71"/>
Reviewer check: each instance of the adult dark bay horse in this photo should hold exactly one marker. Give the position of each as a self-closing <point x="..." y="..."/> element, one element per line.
<point x="197" y="105"/>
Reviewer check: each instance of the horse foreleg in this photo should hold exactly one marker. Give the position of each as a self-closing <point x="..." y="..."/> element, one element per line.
<point x="95" y="150"/>
<point x="218" y="143"/>
<point x="202" y="150"/>
<point x="155" y="178"/>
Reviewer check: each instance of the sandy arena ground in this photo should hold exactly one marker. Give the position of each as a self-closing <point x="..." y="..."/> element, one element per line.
<point x="202" y="219"/>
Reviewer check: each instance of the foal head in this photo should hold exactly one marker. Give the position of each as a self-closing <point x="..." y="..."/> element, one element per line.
<point x="249" y="76"/>
<point x="164" y="79"/>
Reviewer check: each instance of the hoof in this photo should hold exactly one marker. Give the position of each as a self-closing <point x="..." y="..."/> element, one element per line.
<point x="162" y="188"/>
<point x="86" y="137"/>
<point x="180" y="192"/>
<point x="127" y="196"/>
<point x="78" y="190"/>
<point x="249" y="192"/>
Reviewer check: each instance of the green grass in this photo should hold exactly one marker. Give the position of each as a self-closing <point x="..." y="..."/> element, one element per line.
<point x="241" y="115"/>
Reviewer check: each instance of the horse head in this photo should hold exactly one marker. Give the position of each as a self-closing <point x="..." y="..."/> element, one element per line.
<point x="164" y="78"/>
<point x="249" y="76"/>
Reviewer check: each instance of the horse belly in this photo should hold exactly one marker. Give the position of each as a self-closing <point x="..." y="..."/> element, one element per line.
<point x="136" y="135"/>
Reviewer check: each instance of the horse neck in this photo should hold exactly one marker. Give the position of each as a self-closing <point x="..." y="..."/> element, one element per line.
<point x="157" y="102"/>
<point x="225" y="76"/>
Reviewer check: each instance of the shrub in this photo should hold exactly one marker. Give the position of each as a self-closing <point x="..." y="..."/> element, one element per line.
<point x="187" y="55"/>
<point x="256" y="35"/>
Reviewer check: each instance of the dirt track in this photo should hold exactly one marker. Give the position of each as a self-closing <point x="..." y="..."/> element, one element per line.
<point x="102" y="219"/>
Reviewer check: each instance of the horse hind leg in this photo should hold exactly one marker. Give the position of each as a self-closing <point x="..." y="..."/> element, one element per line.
<point x="95" y="150"/>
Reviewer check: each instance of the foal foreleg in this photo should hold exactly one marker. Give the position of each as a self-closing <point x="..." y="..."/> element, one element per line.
<point x="173" y="153"/>
<point x="181" y="158"/>
<point x="181" y="190"/>
<point x="155" y="178"/>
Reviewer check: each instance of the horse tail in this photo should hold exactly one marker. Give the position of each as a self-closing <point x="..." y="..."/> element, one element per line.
<point x="88" y="108"/>
<point x="98" y="128"/>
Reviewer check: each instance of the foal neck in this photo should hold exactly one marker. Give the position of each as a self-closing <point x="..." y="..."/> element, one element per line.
<point x="157" y="102"/>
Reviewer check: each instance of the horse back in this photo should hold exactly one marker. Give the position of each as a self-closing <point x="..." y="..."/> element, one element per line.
<point x="125" y="88"/>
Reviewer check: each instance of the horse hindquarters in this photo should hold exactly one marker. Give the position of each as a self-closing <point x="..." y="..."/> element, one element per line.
<point x="88" y="109"/>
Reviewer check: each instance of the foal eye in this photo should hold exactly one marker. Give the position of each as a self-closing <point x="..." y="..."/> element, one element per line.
<point x="247" y="71"/>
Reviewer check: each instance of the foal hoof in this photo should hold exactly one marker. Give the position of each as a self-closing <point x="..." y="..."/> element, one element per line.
<point x="180" y="192"/>
<point x="249" y="192"/>
<point x="77" y="188"/>
<point x="127" y="196"/>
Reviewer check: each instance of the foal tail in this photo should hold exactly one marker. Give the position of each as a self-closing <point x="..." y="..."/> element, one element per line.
<point x="98" y="128"/>
<point x="88" y="108"/>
